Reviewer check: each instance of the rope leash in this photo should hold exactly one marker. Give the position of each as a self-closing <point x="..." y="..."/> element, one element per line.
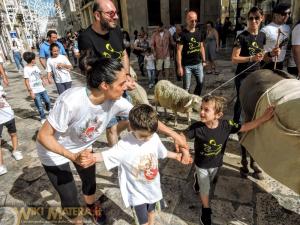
<point x="209" y="93"/>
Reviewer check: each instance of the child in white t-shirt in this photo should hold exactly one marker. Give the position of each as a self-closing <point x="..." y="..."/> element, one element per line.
<point x="7" y="119"/>
<point x="150" y="66"/>
<point x="57" y="67"/>
<point x="136" y="156"/>
<point x="35" y="86"/>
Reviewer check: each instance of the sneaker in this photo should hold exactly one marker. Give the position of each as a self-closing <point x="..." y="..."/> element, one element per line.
<point x="99" y="218"/>
<point x="3" y="170"/>
<point x="43" y="121"/>
<point x="205" y="218"/>
<point x="196" y="185"/>
<point x="17" y="155"/>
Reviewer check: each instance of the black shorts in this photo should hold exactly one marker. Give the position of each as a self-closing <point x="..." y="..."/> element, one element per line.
<point x="10" y="125"/>
<point x="140" y="212"/>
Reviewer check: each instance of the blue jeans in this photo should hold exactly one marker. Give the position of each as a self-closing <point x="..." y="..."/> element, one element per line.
<point x="18" y="60"/>
<point x="151" y="76"/>
<point x="197" y="71"/>
<point x="38" y="103"/>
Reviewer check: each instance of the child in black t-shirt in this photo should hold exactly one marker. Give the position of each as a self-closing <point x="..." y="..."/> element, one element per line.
<point x="211" y="134"/>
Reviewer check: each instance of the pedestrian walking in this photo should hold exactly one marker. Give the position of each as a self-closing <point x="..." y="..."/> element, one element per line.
<point x="161" y="41"/>
<point x="277" y="35"/>
<point x="17" y="51"/>
<point x="34" y="83"/>
<point x="136" y="156"/>
<point x="248" y="52"/>
<point x="44" y="53"/>
<point x="58" y="67"/>
<point x="7" y="120"/>
<point x="150" y="66"/>
<point x="211" y="48"/>
<point x="191" y="54"/>
<point x="211" y="134"/>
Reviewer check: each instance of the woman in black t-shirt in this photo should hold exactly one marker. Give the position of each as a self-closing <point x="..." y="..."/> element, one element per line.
<point x="247" y="52"/>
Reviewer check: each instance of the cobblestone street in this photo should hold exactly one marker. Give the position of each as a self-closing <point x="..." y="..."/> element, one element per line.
<point x="235" y="201"/>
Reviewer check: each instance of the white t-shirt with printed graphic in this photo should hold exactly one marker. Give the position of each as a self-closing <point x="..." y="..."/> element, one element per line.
<point x="271" y="31"/>
<point x="60" y="75"/>
<point x="78" y="122"/>
<point x="33" y="73"/>
<point x="137" y="162"/>
<point x="6" y="112"/>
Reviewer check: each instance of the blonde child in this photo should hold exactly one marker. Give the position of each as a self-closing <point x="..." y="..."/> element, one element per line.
<point x="211" y="134"/>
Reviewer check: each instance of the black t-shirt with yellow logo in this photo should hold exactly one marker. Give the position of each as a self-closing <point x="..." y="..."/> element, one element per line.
<point x="109" y="45"/>
<point x="250" y="45"/>
<point x="210" y="143"/>
<point x="191" y="52"/>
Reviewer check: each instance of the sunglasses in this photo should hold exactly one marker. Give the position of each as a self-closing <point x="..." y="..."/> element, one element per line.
<point x="194" y="21"/>
<point x="251" y="18"/>
<point x="111" y="14"/>
<point x="285" y="14"/>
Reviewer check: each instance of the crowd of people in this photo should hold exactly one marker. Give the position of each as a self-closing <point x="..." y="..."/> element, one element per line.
<point x="81" y="114"/>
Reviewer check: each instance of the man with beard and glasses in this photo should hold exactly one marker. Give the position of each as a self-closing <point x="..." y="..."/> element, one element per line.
<point x="104" y="37"/>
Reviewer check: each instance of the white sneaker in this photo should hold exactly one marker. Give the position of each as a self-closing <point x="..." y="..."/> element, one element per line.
<point x="3" y="170"/>
<point x="17" y="155"/>
<point x="43" y="121"/>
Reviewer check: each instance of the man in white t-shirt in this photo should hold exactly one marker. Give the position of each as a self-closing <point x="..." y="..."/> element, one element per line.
<point x="3" y="75"/>
<point x="294" y="62"/>
<point x="7" y="120"/>
<point x="136" y="157"/>
<point x="281" y="13"/>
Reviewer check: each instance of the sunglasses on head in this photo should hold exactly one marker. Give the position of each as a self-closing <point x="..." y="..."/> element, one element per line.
<point x="111" y="14"/>
<point x="285" y="13"/>
<point x="251" y="18"/>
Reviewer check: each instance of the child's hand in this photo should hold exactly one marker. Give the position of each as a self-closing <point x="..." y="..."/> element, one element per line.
<point x="178" y="156"/>
<point x="186" y="157"/>
<point x="32" y="95"/>
<point x="268" y="114"/>
<point x="59" y="66"/>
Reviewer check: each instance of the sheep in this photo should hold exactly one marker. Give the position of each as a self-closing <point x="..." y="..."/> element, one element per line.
<point x="138" y="95"/>
<point x="170" y="96"/>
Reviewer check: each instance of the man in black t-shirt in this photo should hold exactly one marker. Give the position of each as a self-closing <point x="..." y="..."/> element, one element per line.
<point x="191" y="54"/>
<point x="104" y="37"/>
<point x="211" y="135"/>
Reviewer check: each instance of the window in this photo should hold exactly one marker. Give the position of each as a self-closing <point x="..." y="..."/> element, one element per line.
<point x="153" y="12"/>
<point x="175" y="11"/>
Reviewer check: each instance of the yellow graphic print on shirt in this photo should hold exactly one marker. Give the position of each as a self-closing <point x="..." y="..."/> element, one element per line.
<point x="111" y="53"/>
<point x="254" y="48"/>
<point x="212" y="148"/>
<point x="194" y="46"/>
<point x="232" y="123"/>
<point x="146" y="168"/>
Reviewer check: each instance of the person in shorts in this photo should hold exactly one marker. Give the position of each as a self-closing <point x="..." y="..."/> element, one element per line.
<point x="211" y="135"/>
<point x="7" y="120"/>
<point x="136" y="156"/>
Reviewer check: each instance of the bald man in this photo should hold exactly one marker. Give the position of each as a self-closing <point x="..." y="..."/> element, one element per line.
<point x="104" y="37"/>
<point x="191" y="54"/>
